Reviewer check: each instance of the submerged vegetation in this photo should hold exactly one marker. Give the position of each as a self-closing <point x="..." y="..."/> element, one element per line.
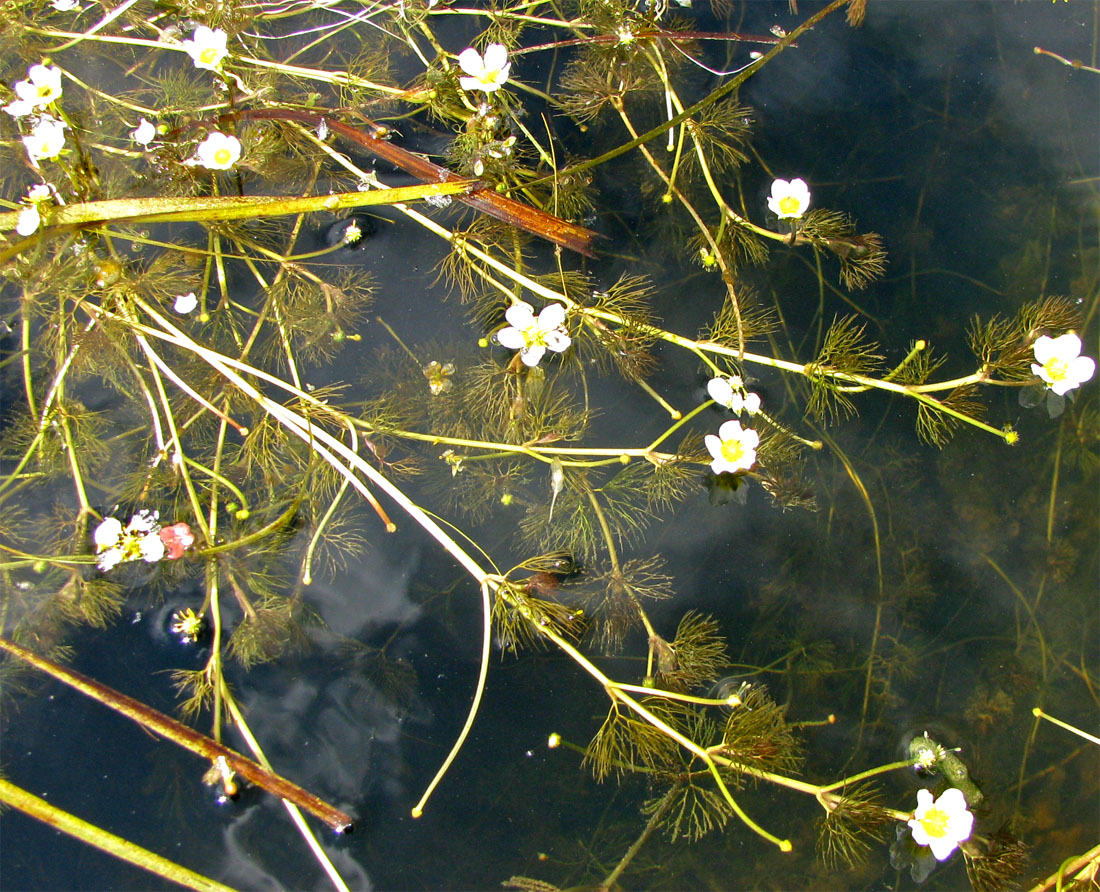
<point x="202" y="394"/>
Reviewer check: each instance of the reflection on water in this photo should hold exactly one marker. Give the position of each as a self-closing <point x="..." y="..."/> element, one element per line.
<point x="941" y="591"/>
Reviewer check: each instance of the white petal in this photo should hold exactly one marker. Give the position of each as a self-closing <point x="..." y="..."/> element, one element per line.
<point x="558" y="341"/>
<point x="730" y="430"/>
<point x="496" y="57"/>
<point x="721" y="391"/>
<point x="512" y="338"/>
<point x="750" y="439"/>
<point x="552" y="316"/>
<point x="1082" y="368"/>
<point x="185" y="303"/>
<point x="752" y="403"/>
<point x="521" y="315"/>
<point x="152" y="548"/>
<point x="470" y="61"/>
<point x="1044" y="349"/>
<point x="714" y="445"/>
<point x="28" y="221"/>
<point x="469" y="83"/>
<point x="108" y="533"/>
<point x="941" y="846"/>
<point x="109" y="559"/>
<point x="531" y="355"/>
<point x="800" y="190"/>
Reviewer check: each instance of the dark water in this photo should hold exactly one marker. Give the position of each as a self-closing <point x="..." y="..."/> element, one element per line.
<point x="935" y="125"/>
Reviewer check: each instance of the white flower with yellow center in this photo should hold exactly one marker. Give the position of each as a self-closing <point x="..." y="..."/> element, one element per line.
<point x="42" y="86"/>
<point x="941" y="824"/>
<point x="138" y="541"/>
<point x="789" y="200"/>
<point x="219" y="151"/>
<point x="731" y="393"/>
<point x="531" y="336"/>
<point x="207" y="47"/>
<point x="488" y="72"/>
<point x="1058" y="361"/>
<point x="45" y="141"/>
<point x="734" y="449"/>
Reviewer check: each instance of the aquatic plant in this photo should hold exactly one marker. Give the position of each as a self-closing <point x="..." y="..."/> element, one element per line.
<point x="176" y="276"/>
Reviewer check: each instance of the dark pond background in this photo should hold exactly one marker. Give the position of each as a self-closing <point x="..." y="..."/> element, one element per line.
<point x="935" y="125"/>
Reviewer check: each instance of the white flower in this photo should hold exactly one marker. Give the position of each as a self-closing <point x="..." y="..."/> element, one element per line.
<point x="789" y="201"/>
<point x="942" y="824"/>
<point x="486" y="73"/>
<point x="1059" y="362"/>
<point x="734" y="449"/>
<point x="140" y="540"/>
<point x="28" y="221"/>
<point x="144" y="132"/>
<point x="65" y="5"/>
<point x="46" y="140"/>
<point x="730" y="392"/>
<point x="207" y="47"/>
<point x="218" y="151"/>
<point x="531" y="336"/>
<point x="42" y="86"/>
<point x="185" y="303"/>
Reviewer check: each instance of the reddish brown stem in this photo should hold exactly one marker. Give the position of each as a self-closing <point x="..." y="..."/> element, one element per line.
<point x="501" y="207"/>
<point x="186" y="737"/>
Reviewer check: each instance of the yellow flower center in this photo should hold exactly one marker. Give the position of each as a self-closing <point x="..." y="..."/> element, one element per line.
<point x="934" y="822"/>
<point x="789" y="205"/>
<point x="45" y="91"/>
<point x="209" y="56"/>
<point x="1057" y="368"/>
<point x="223" y="157"/>
<point x="733" y="451"/>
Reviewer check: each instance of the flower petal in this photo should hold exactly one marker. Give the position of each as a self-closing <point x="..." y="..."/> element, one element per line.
<point x="552" y="316"/>
<point x="470" y="61"/>
<point x="108" y="533"/>
<point x="496" y="57"/>
<point x="512" y="338"/>
<point x="721" y="391"/>
<point x="531" y="355"/>
<point x="520" y="314"/>
<point x="557" y="340"/>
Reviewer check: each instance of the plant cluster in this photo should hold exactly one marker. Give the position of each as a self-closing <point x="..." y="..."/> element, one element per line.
<point x="167" y="298"/>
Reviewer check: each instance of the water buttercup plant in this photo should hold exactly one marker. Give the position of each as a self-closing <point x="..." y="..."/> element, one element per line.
<point x="616" y="272"/>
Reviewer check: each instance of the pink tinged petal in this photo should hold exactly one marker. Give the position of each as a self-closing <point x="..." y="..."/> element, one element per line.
<point x="520" y="315"/>
<point x="512" y="338"/>
<point x="721" y="391"/>
<point x="177" y="538"/>
<point x="558" y="341"/>
<point x="531" y="355"/>
<point x="470" y="61"/>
